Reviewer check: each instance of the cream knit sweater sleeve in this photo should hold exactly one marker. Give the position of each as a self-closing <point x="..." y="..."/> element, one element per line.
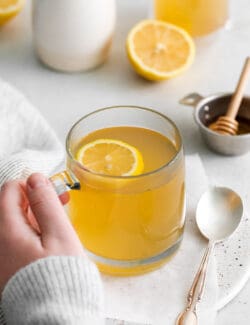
<point x="54" y="291"/>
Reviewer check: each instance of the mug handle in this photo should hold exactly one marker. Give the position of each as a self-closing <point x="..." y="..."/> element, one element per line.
<point x="191" y="99"/>
<point x="64" y="181"/>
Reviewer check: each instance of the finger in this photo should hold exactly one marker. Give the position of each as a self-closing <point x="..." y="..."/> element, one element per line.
<point x="12" y="200"/>
<point x="47" y="208"/>
<point x="64" y="198"/>
<point x="13" y="207"/>
<point x="32" y="221"/>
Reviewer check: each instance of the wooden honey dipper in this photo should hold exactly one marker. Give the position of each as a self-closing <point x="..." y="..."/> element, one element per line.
<point x="227" y="124"/>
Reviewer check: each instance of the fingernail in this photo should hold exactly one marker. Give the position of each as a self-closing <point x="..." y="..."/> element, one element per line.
<point x="37" y="180"/>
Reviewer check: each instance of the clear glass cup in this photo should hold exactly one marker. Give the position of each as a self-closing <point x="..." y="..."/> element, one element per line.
<point x="198" y="17"/>
<point x="127" y="224"/>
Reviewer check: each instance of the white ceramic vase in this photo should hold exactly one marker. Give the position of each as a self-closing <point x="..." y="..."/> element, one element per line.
<point x="73" y="35"/>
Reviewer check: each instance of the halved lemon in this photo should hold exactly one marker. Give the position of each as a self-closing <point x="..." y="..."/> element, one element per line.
<point x="111" y="157"/>
<point x="9" y="9"/>
<point x="158" y="50"/>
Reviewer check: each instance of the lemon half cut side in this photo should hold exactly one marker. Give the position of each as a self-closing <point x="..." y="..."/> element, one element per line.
<point x="158" y="50"/>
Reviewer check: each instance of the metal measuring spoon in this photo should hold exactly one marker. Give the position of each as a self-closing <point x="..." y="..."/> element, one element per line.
<point x="218" y="214"/>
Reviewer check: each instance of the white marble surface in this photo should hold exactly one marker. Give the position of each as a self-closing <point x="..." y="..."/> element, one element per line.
<point x="63" y="98"/>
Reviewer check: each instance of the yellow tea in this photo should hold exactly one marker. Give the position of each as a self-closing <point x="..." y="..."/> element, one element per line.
<point x="131" y="218"/>
<point x="198" y="17"/>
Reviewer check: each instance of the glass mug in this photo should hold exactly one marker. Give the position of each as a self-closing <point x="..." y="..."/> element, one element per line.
<point x="127" y="224"/>
<point x="198" y="17"/>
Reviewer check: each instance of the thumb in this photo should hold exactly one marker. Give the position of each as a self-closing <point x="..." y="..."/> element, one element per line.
<point x="46" y="207"/>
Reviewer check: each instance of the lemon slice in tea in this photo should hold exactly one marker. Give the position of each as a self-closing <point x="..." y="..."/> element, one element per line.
<point x="111" y="157"/>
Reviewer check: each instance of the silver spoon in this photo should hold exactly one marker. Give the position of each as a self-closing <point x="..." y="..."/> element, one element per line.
<point x="218" y="214"/>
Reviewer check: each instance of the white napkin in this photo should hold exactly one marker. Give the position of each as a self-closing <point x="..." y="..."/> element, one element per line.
<point x="27" y="142"/>
<point x="158" y="297"/>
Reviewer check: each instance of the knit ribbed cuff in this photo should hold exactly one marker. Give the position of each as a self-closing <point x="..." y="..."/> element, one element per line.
<point x="54" y="290"/>
<point x="2" y="319"/>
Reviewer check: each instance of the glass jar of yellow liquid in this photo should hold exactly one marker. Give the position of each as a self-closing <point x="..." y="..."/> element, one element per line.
<point x="128" y="224"/>
<point x="198" y="17"/>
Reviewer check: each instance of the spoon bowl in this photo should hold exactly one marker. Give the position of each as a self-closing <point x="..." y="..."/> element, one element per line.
<point x="219" y="213"/>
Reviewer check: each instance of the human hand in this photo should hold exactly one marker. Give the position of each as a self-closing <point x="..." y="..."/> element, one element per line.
<point x="33" y="225"/>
